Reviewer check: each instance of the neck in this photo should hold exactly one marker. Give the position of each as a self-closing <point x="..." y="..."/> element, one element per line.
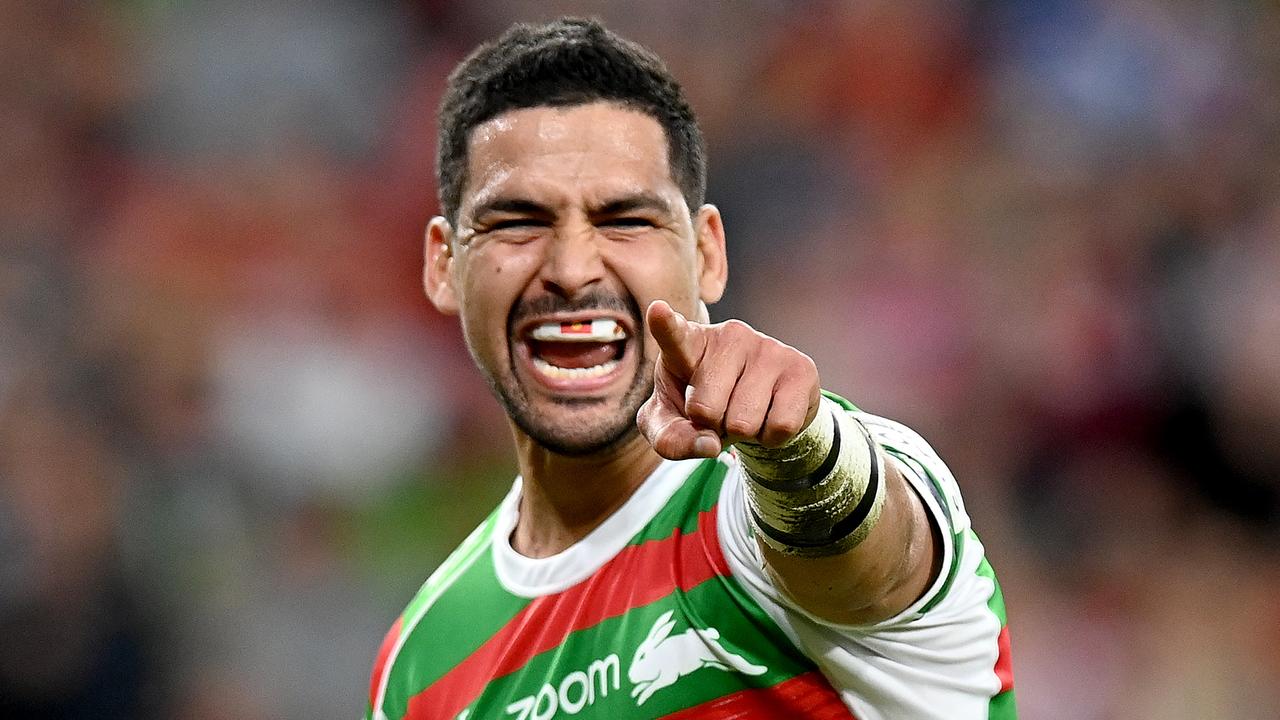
<point x="565" y="498"/>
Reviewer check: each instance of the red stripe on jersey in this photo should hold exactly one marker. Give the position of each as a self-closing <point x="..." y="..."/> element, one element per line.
<point x="807" y="696"/>
<point x="636" y="576"/>
<point x="1004" y="661"/>
<point x="380" y="663"/>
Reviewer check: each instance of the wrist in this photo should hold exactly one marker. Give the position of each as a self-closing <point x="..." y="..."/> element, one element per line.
<point x="820" y="493"/>
<point x="800" y="462"/>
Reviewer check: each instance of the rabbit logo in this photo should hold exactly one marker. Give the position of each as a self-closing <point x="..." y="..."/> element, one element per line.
<point x="662" y="658"/>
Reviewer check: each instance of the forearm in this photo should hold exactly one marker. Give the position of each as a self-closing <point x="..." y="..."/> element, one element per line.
<point x="841" y="530"/>
<point x="822" y="492"/>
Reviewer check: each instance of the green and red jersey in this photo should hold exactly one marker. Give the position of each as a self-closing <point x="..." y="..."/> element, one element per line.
<point x="665" y="611"/>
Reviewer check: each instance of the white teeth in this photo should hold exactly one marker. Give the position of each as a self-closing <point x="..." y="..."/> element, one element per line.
<point x="560" y="373"/>
<point x="597" y="330"/>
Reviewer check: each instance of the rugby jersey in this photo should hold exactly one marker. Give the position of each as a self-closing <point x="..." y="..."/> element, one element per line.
<point x="665" y="611"/>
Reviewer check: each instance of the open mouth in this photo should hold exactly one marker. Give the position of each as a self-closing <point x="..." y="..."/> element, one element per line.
<point x="575" y="350"/>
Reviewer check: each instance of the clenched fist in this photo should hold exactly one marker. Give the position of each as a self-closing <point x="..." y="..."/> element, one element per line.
<point x="715" y="385"/>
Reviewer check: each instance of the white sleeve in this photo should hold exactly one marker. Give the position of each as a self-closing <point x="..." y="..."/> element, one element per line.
<point x="936" y="658"/>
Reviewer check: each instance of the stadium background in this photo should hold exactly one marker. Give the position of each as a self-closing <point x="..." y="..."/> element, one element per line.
<point x="234" y="438"/>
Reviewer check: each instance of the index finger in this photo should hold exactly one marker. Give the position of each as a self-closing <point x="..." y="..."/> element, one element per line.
<point x="682" y="343"/>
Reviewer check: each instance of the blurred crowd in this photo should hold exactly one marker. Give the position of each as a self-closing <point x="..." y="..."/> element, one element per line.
<point x="234" y="438"/>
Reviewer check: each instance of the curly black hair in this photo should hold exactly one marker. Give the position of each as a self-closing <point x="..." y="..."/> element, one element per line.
<point x="570" y="61"/>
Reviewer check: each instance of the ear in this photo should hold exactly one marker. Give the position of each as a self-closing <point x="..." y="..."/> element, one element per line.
<point x="437" y="276"/>
<point x="713" y="263"/>
<point x="661" y="628"/>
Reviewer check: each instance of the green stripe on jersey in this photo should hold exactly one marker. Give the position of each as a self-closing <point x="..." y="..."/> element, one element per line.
<point x="590" y="671"/>
<point x="840" y="401"/>
<point x="996" y="603"/>
<point x="463" y="619"/>
<point x="699" y="493"/>
<point x="467" y="606"/>
<point x="457" y="562"/>
<point x="1003" y="706"/>
<point x="466" y="619"/>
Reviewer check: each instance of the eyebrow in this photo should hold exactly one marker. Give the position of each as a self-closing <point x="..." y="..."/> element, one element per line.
<point x="637" y="201"/>
<point x="615" y="206"/>
<point x="515" y="206"/>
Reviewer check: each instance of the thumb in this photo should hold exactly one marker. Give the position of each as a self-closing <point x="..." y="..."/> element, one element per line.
<point x="682" y="342"/>
<point x="662" y="422"/>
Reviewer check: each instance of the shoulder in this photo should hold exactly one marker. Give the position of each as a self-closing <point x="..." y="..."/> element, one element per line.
<point x="412" y="622"/>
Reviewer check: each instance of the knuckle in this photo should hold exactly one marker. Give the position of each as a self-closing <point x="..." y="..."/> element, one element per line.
<point x="789" y="427"/>
<point x="794" y="357"/>
<point x="773" y="437"/>
<point x="738" y="332"/>
<point x="798" y="367"/>
<point x="792" y="427"/>
<point x="741" y="427"/>
<point x="661" y="439"/>
<point x="806" y="362"/>
<point x="703" y="412"/>
<point x="674" y="445"/>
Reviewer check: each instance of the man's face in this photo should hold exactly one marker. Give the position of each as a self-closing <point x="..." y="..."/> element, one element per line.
<point x="569" y="226"/>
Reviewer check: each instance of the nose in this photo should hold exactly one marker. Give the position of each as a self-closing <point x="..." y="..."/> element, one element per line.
<point x="573" y="262"/>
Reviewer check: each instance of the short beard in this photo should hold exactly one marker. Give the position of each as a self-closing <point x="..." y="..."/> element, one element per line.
<point x="590" y="438"/>
<point x="595" y="439"/>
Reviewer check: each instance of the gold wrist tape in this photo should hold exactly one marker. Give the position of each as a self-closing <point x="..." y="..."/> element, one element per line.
<point x="819" y="494"/>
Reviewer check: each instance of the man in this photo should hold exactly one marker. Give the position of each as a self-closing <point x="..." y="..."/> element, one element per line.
<point x="697" y="530"/>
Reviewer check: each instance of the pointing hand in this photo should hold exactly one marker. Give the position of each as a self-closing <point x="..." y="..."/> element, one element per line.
<point x="715" y="385"/>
